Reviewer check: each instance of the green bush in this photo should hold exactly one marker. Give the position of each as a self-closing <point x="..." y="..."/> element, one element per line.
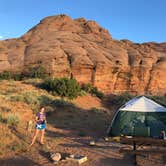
<point x="62" y="87"/>
<point x="121" y="99"/>
<point x="13" y="120"/>
<point x="18" y="77"/>
<point x="92" y="90"/>
<point x="1" y="118"/>
<point x="87" y="87"/>
<point x="37" y="72"/>
<point x="30" y="98"/>
<point x="18" y="98"/>
<point x="5" y="75"/>
<point x="97" y="93"/>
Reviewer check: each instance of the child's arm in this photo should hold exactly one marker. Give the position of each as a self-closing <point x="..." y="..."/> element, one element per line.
<point x="37" y="119"/>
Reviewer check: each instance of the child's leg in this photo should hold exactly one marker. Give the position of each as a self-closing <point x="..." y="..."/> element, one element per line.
<point x="35" y="136"/>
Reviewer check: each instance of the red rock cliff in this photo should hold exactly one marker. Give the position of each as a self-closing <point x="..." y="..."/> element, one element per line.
<point x="86" y="51"/>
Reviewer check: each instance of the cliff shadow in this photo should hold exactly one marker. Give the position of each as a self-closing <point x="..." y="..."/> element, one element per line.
<point x="65" y="115"/>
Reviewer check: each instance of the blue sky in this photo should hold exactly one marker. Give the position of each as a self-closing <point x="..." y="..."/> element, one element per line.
<point x="136" y="20"/>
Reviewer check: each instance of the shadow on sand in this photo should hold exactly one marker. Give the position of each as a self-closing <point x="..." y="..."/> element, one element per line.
<point x="18" y="161"/>
<point x="66" y="115"/>
<point x="127" y="160"/>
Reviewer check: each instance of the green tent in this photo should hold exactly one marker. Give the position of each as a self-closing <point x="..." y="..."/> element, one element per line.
<point x="139" y="117"/>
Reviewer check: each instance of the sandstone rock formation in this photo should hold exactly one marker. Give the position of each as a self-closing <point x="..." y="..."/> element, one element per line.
<point x="84" y="50"/>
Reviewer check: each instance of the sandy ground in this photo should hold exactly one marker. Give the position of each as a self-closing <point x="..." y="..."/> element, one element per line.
<point x="66" y="142"/>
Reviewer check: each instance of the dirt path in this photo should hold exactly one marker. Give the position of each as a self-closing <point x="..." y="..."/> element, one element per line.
<point x="104" y="155"/>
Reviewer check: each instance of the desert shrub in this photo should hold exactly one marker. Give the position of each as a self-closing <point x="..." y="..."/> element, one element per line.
<point x="1" y="118"/>
<point x="82" y="93"/>
<point x="87" y="87"/>
<point x="30" y="98"/>
<point x="92" y="90"/>
<point x="37" y="72"/>
<point x="13" y="120"/>
<point x="97" y="93"/>
<point x="5" y="75"/>
<point x="18" y="77"/>
<point x="121" y="99"/>
<point x="95" y="110"/>
<point x="17" y="98"/>
<point x="27" y="97"/>
<point x="62" y="103"/>
<point x="45" y="100"/>
<point x="62" y="87"/>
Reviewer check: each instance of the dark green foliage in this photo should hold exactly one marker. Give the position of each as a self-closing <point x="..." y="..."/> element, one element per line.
<point x="63" y="87"/>
<point x="1" y="118"/>
<point x="121" y="99"/>
<point x="92" y="90"/>
<point x="33" y="72"/>
<point x="5" y="75"/>
<point x="69" y="88"/>
<point x="97" y="93"/>
<point x="18" y="77"/>
<point x="87" y="88"/>
<point x="37" y="72"/>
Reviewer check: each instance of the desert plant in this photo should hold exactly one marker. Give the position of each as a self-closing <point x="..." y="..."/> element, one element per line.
<point x="13" y="120"/>
<point x="37" y="72"/>
<point x="87" y="87"/>
<point x="18" y="77"/>
<point x="5" y="75"/>
<point x="97" y="93"/>
<point x="30" y="98"/>
<point x="92" y="90"/>
<point x="17" y="98"/>
<point x="62" y="87"/>
<point x="121" y="99"/>
<point x="1" y="118"/>
<point x="82" y="93"/>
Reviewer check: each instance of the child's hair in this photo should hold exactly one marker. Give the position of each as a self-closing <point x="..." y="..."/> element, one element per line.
<point x="41" y="107"/>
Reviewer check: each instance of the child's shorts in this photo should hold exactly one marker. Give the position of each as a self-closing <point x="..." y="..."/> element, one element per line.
<point x="40" y="126"/>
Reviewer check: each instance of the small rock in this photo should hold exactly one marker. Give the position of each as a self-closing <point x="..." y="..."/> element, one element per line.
<point x="106" y="139"/>
<point x="92" y="143"/>
<point x="55" y="157"/>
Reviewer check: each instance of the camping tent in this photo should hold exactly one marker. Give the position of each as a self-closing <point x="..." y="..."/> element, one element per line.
<point x="139" y="117"/>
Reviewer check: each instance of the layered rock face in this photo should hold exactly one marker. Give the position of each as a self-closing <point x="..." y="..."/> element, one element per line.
<point x="84" y="50"/>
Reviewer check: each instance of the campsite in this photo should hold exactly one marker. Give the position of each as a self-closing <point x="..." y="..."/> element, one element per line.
<point x="82" y="83"/>
<point x="72" y="125"/>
